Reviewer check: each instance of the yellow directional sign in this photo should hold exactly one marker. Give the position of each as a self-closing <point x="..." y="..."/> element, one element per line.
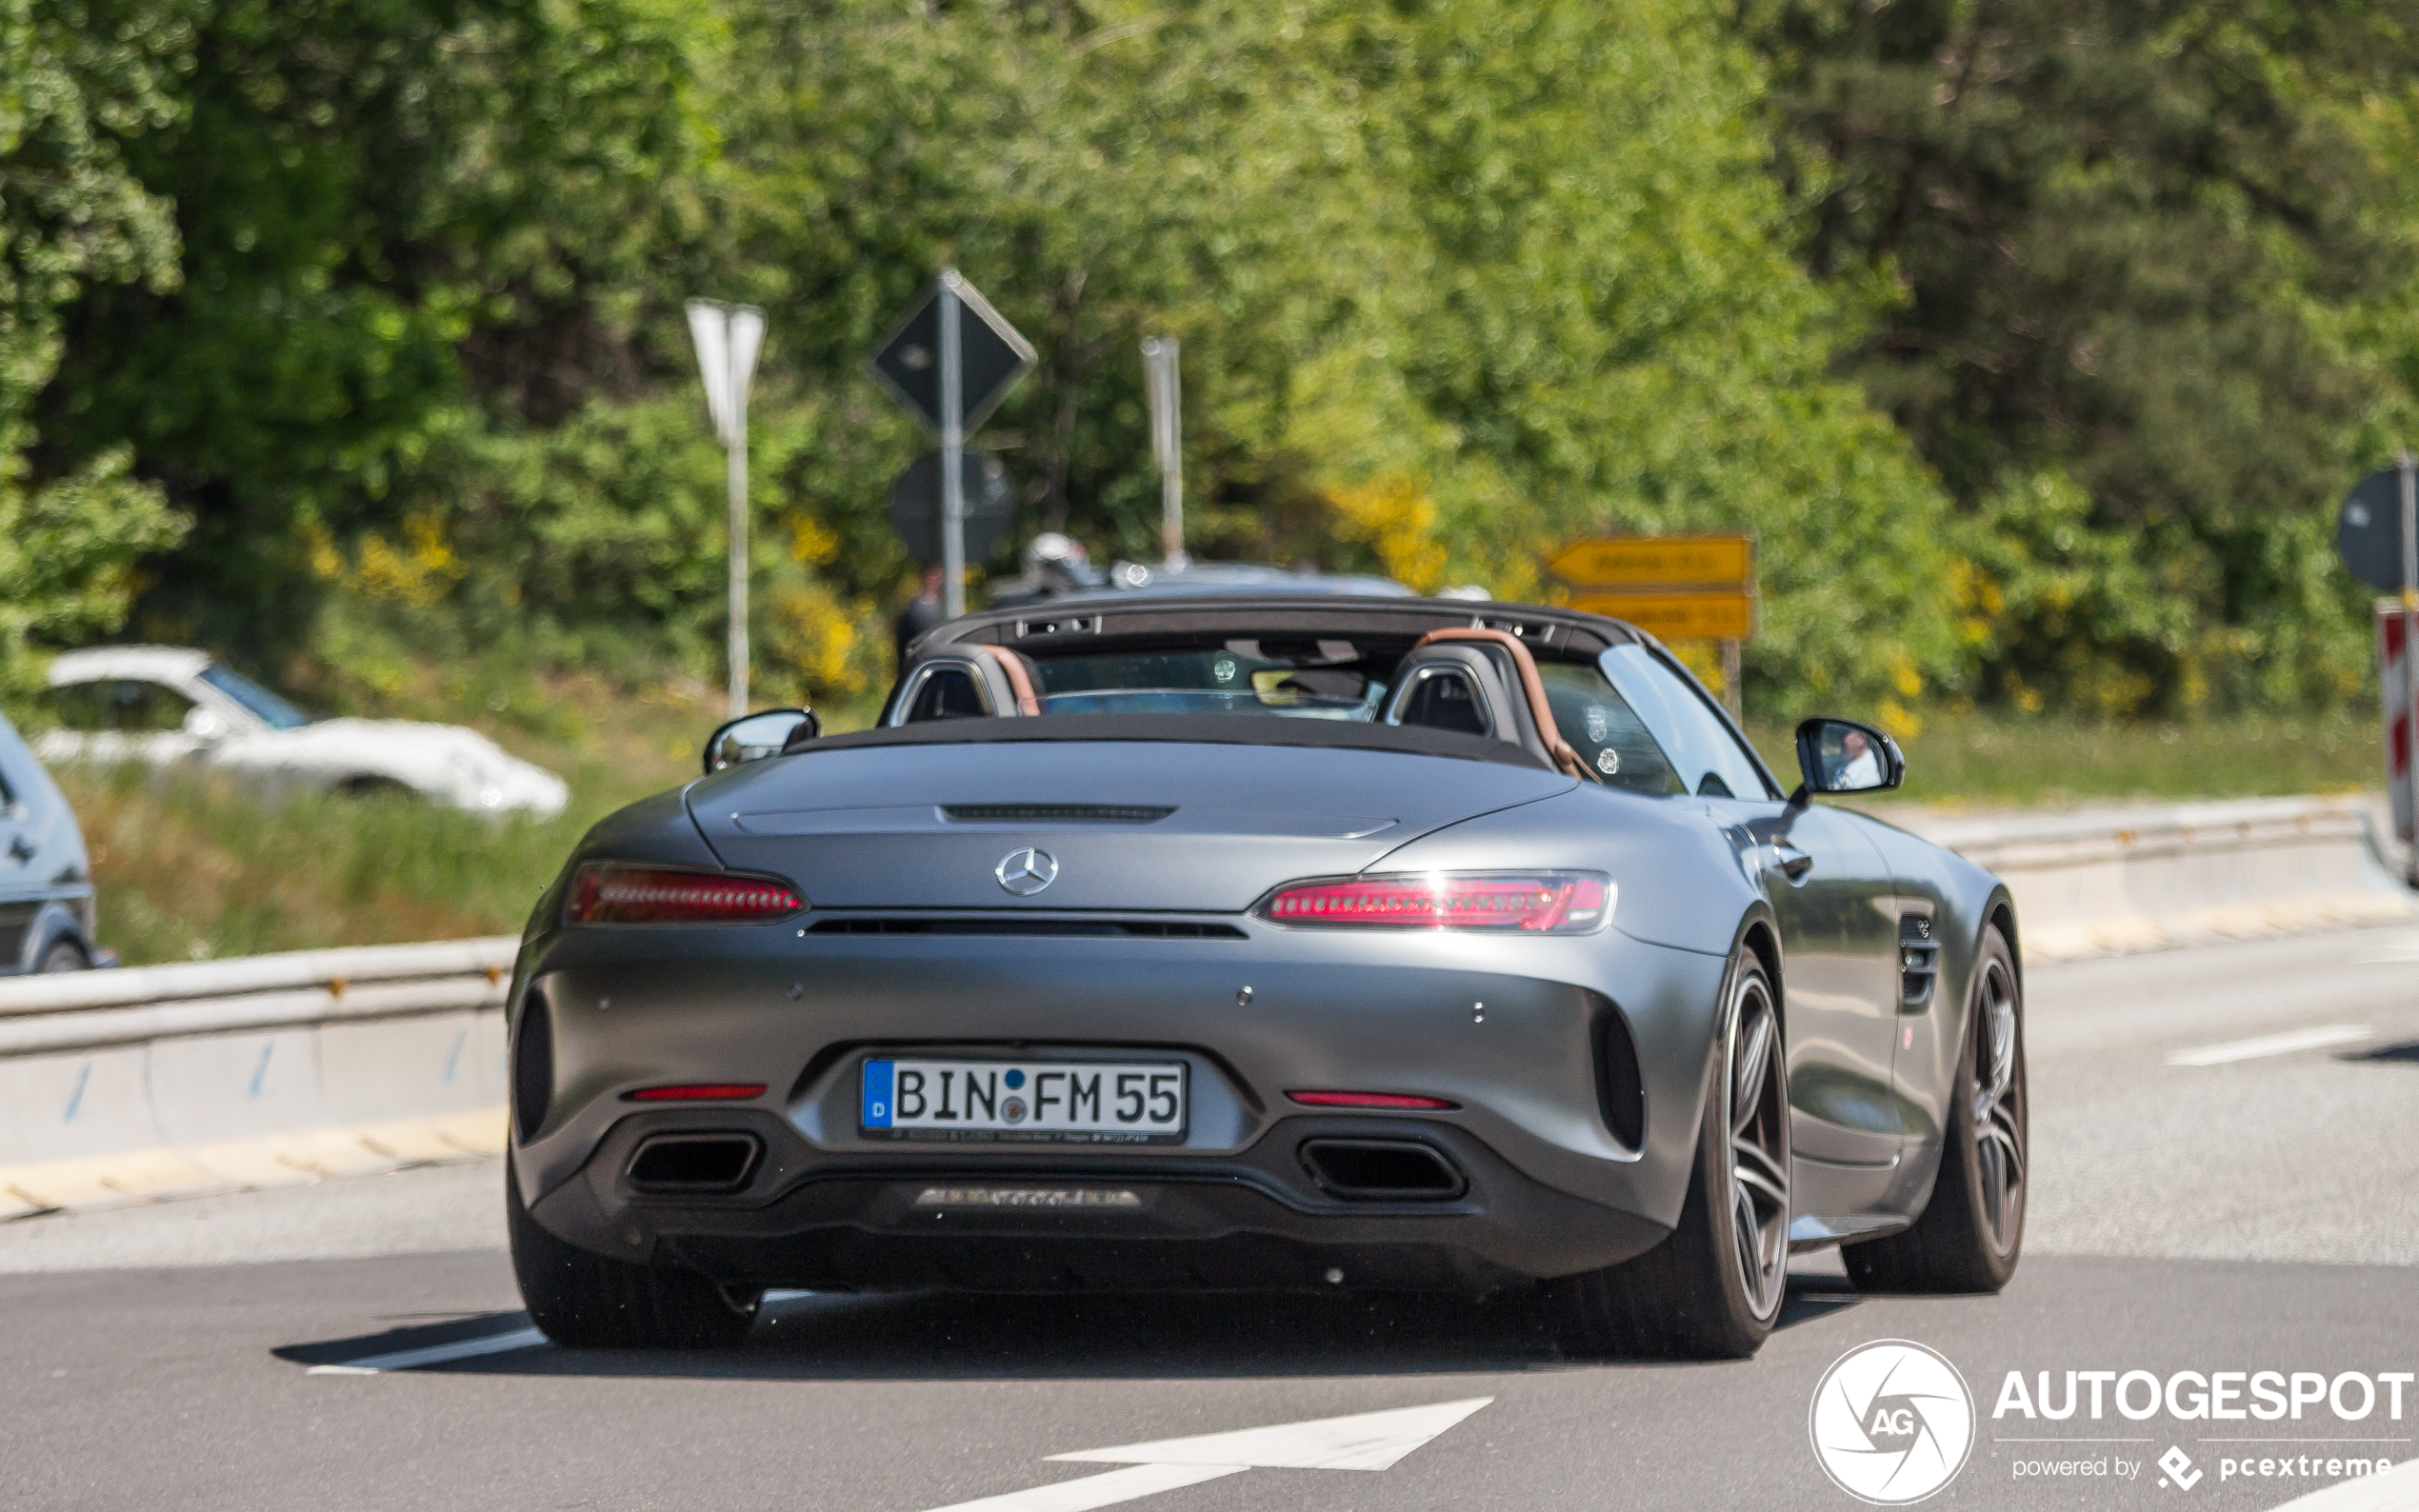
<point x="1636" y="562"/>
<point x="1723" y="616"/>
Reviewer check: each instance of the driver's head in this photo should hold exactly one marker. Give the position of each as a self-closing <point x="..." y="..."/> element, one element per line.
<point x="1852" y="744"/>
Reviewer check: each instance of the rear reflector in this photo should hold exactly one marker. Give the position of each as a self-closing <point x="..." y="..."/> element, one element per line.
<point x="1533" y="902"/>
<point x="1384" y="1099"/>
<point x="606" y="893"/>
<point x="698" y="1093"/>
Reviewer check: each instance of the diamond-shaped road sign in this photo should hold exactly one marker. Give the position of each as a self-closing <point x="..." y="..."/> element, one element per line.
<point x="994" y="356"/>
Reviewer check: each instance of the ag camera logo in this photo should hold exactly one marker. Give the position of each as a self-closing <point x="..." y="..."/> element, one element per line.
<point x="1891" y="1422"/>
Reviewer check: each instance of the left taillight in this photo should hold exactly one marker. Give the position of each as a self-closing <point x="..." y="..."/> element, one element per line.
<point x="1515" y="902"/>
<point x="609" y="893"/>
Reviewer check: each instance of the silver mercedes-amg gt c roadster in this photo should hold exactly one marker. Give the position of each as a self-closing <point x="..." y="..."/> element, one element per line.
<point x="1266" y="941"/>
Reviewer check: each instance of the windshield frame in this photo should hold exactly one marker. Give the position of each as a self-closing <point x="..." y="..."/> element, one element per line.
<point x="273" y="710"/>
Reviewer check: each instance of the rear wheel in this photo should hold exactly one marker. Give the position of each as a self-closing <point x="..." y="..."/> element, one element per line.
<point x="588" y="1302"/>
<point x="63" y="956"/>
<point x="1972" y="1230"/>
<point x="1713" y="1288"/>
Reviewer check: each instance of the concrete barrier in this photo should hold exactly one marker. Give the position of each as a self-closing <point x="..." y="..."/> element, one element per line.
<point x="125" y="1086"/>
<point x="2119" y="877"/>
<point x="163" y="1081"/>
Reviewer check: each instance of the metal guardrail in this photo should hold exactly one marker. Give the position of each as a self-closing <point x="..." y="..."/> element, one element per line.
<point x="88" y="1009"/>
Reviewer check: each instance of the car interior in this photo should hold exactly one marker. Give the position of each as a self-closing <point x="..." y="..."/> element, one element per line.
<point x="1475" y="681"/>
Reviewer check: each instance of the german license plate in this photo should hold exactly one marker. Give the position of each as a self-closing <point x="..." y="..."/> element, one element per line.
<point x="1062" y="1101"/>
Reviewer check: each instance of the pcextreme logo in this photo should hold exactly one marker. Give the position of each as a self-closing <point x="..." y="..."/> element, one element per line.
<point x="1891" y="1422"/>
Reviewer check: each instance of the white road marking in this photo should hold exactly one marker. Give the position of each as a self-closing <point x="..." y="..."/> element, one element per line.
<point x="434" y="1354"/>
<point x="1364" y="1440"/>
<point x="1099" y="1490"/>
<point x="2285" y="1044"/>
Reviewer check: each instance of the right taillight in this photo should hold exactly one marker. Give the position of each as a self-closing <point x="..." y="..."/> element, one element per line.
<point x="1516" y="902"/>
<point x="609" y="893"/>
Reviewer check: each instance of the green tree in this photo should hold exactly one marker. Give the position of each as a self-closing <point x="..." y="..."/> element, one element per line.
<point x="74" y="80"/>
<point x="2129" y="240"/>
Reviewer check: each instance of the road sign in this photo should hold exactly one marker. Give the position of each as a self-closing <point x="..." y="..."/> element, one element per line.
<point x="728" y="338"/>
<point x="915" y="504"/>
<point x="2368" y="531"/>
<point x="908" y="361"/>
<point x="949" y="372"/>
<point x="1679" y="587"/>
<point x="1163" y="385"/>
<point x="1727" y="614"/>
<point x="1630" y="562"/>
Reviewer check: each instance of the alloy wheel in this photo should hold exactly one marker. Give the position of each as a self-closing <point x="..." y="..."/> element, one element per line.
<point x="1999" y="1111"/>
<point x="1757" y="1117"/>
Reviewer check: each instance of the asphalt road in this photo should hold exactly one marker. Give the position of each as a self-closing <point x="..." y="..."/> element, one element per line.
<point x="2259" y="1211"/>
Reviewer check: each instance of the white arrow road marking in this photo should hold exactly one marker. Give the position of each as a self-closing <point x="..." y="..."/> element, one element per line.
<point x="1099" y="1490"/>
<point x="434" y="1354"/>
<point x="1364" y="1440"/>
<point x="2270" y="1045"/>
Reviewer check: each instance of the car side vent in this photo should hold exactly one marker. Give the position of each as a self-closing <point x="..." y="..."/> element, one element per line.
<point x="532" y="1066"/>
<point x="1055" y="813"/>
<point x="1621" y="1093"/>
<point x="1918" y="959"/>
<point x="1105" y="928"/>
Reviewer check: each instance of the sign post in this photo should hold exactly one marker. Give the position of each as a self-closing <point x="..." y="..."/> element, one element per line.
<point x="951" y="372"/>
<point x="1687" y="587"/>
<point x="1164" y="390"/>
<point x="2377" y="535"/>
<point x="728" y="338"/>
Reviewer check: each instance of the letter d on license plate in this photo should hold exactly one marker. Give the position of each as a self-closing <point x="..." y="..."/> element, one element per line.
<point x="1065" y="1101"/>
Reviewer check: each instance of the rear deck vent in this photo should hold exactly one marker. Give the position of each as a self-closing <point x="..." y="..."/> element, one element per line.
<point x="1055" y="813"/>
<point x="694" y="1162"/>
<point x="1918" y="959"/>
<point x="1097" y="928"/>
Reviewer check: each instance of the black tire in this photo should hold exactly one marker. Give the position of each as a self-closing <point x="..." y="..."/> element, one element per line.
<point x="588" y="1302"/>
<point x="1971" y="1232"/>
<point x="64" y="955"/>
<point x="1691" y="1296"/>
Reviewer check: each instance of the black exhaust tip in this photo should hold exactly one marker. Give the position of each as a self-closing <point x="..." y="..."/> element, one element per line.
<point x="1382" y="1170"/>
<point x="694" y="1163"/>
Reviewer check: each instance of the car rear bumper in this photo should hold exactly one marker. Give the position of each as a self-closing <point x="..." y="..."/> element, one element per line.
<point x="1542" y="1178"/>
<point x="1261" y="1219"/>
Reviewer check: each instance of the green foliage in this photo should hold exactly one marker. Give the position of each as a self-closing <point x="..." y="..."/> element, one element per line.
<point x="2137" y="245"/>
<point x="382" y="204"/>
<point x="2033" y="367"/>
<point x="74" y="80"/>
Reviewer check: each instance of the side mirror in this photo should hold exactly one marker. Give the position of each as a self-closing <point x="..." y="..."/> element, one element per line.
<point x="203" y="725"/>
<point x="1841" y="756"/>
<point x="757" y="736"/>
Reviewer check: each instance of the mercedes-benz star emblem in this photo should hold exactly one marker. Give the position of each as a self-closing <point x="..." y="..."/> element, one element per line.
<point x="1027" y="871"/>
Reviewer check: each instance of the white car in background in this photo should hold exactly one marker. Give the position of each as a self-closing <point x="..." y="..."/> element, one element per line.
<point x="171" y="707"/>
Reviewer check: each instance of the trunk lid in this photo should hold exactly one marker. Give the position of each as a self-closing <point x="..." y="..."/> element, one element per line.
<point x="1131" y="826"/>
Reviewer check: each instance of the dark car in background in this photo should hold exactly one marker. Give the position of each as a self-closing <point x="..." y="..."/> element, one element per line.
<point x="45" y="880"/>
